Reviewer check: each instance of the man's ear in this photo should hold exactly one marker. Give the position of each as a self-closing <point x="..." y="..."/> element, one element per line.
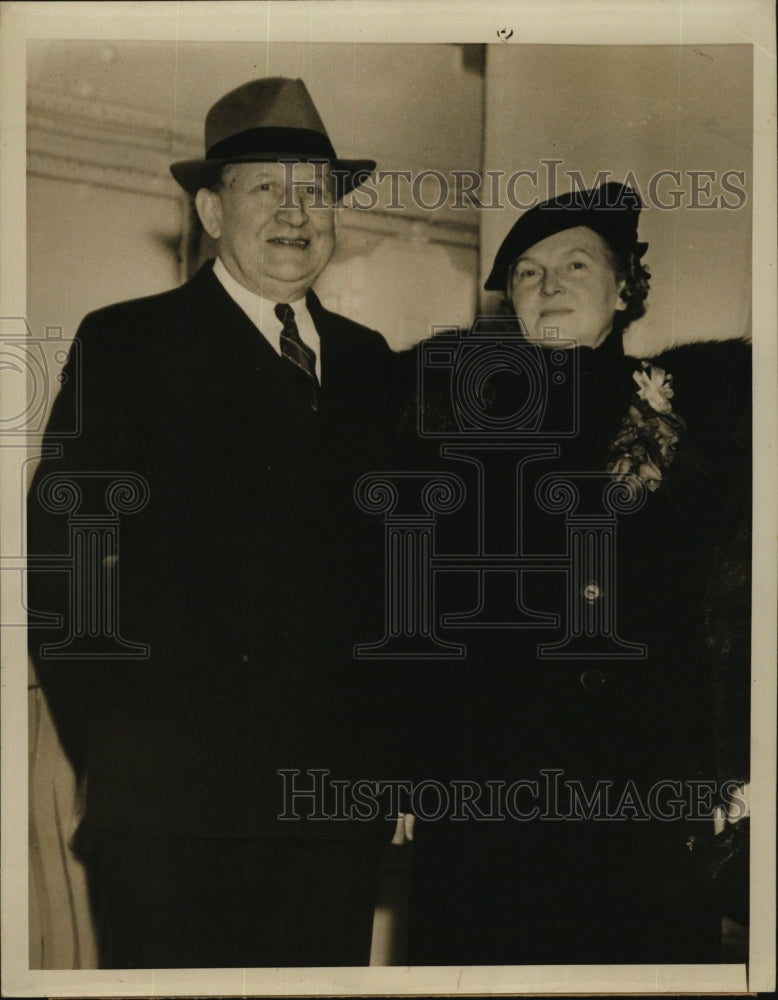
<point x="621" y="302"/>
<point x="209" y="208"/>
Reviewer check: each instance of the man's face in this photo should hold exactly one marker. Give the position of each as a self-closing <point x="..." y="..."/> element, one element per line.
<point x="566" y="283"/>
<point x="275" y="224"/>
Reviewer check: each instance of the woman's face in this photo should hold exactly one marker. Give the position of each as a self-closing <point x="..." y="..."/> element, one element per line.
<point x="564" y="287"/>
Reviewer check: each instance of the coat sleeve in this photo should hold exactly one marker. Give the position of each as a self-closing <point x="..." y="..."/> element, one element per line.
<point x="715" y="380"/>
<point x="85" y="434"/>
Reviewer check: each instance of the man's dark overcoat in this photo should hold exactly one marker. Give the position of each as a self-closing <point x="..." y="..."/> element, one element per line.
<point x="242" y="574"/>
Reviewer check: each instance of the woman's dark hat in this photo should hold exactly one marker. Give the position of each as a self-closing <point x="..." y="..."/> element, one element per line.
<point x="611" y="210"/>
<point x="266" y="121"/>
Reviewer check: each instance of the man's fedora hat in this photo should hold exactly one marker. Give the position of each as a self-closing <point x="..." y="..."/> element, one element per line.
<point x="611" y="210"/>
<point x="264" y="121"/>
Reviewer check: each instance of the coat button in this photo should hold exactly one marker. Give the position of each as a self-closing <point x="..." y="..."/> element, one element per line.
<point x="592" y="591"/>
<point x="592" y="679"/>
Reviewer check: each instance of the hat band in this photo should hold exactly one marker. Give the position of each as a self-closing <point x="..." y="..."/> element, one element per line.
<point x="303" y="142"/>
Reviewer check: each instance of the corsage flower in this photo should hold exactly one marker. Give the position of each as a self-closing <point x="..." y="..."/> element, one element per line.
<point x="646" y="442"/>
<point x="655" y="386"/>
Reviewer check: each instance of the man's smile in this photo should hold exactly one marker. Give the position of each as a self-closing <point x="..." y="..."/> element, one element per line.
<point x="299" y="242"/>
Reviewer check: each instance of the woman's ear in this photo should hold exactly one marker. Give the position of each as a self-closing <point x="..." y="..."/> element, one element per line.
<point x="621" y="302"/>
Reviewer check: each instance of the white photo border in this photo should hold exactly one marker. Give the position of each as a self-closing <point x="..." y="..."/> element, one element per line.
<point x="601" y="22"/>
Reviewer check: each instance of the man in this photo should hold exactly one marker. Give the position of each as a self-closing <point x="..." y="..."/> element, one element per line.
<point x="240" y="412"/>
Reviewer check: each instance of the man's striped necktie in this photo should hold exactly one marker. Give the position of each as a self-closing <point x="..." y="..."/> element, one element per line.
<point x="296" y="352"/>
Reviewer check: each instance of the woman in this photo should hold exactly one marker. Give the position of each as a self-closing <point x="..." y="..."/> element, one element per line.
<point x="596" y="723"/>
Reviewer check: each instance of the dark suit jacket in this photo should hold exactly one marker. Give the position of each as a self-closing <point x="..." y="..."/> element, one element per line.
<point x="244" y="573"/>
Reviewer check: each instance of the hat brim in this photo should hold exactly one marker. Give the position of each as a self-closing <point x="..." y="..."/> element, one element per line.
<point x="195" y="174"/>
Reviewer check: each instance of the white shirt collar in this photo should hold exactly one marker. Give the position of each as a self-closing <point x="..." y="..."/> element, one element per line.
<point x="261" y="312"/>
